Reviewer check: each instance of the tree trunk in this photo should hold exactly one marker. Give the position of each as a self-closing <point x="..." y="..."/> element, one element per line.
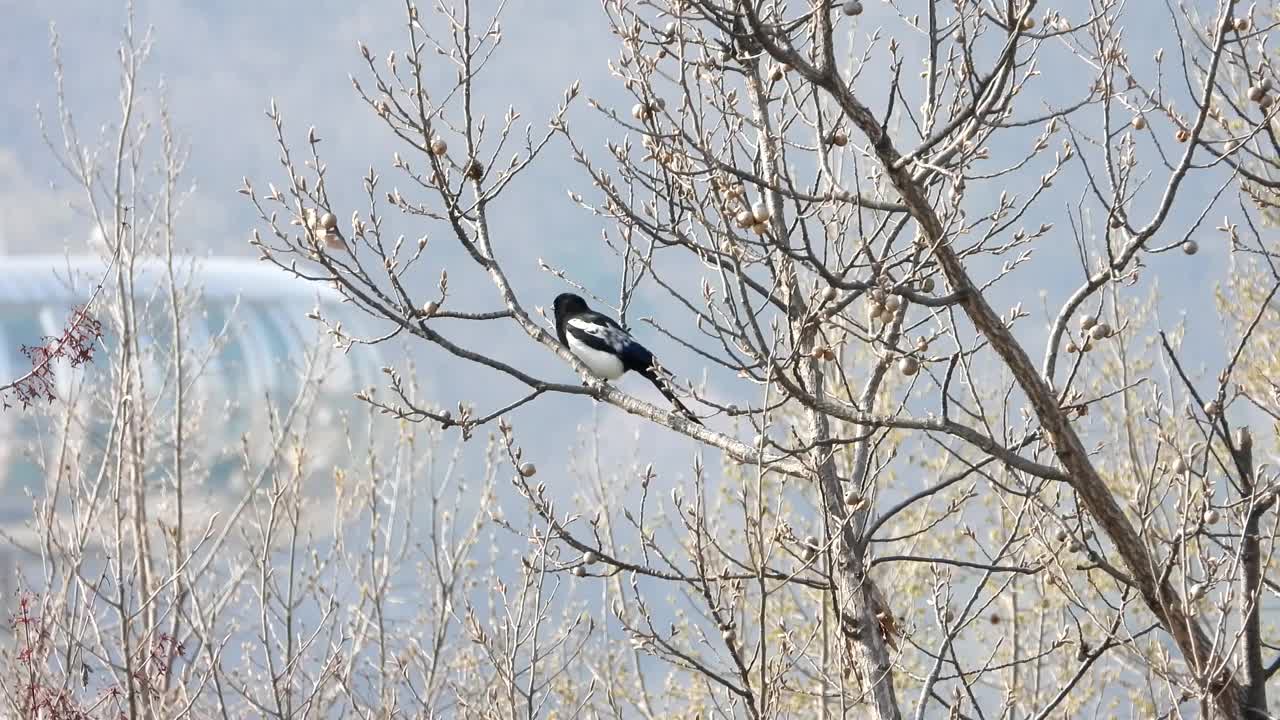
<point x="855" y="613"/>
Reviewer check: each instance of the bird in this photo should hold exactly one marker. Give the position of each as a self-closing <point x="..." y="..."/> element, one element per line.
<point x="605" y="348"/>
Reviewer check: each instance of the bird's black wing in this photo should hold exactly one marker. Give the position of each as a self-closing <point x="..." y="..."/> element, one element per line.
<point x="600" y="332"/>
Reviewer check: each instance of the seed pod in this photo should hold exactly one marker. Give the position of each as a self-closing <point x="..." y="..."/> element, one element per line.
<point x="745" y="219"/>
<point x="1100" y="331"/>
<point x="760" y="211"/>
<point x="1139" y="122"/>
<point x="1265" y="101"/>
<point x="640" y="111"/>
<point x="439" y="146"/>
<point x="829" y="293"/>
<point x="590" y="558"/>
<point x="579" y="571"/>
<point x="852" y="8"/>
<point x="922" y="345"/>
<point x="328" y="221"/>
<point x="1256" y="93"/>
<point x="892" y="303"/>
<point x="1212" y="408"/>
<point x="528" y="469"/>
<point x="475" y="170"/>
<point x="927" y="285"/>
<point x="1087" y="321"/>
<point x="908" y="366"/>
<point x="1028" y="23"/>
<point x="839" y="138"/>
<point x="1211" y="517"/>
<point x="1182" y="135"/>
<point x="1241" y="24"/>
<point x="1265" y="84"/>
<point x="1190" y="247"/>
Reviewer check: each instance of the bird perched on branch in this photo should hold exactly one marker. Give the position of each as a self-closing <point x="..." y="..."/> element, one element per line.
<point x="606" y="349"/>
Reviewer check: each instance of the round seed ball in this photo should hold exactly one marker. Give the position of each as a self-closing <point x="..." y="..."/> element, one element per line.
<point x="908" y="366"/>
<point x="760" y="211"/>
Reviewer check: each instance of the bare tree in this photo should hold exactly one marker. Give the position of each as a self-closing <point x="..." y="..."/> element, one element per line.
<point x="165" y="574"/>
<point x="860" y="189"/>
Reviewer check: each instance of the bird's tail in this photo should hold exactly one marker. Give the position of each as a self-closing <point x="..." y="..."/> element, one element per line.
<point x="655" y="376"/>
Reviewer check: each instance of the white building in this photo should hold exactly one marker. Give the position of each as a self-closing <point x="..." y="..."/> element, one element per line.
<point x="248" y="326"/>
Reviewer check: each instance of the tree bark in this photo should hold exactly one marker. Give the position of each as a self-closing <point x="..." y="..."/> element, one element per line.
<point x="855" y="610"/>
<point x="1252" y="675"/>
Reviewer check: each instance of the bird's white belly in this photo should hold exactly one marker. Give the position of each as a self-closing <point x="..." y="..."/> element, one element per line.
<point x="602" y="364"/>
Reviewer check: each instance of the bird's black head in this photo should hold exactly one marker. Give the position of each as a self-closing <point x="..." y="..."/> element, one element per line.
<point x="568" y="304"/>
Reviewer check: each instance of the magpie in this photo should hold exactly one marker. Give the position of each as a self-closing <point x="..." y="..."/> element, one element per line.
<point x="605" y="348"/>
